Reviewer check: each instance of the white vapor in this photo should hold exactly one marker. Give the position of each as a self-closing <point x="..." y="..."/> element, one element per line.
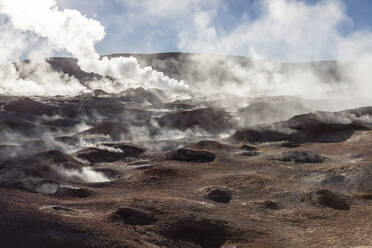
<point x="77" y="34"/>
<point x="86" y="174"/>
<point x="289" y="30"/>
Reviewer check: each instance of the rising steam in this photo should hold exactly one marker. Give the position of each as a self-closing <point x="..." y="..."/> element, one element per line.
<point x="69" y="30"/>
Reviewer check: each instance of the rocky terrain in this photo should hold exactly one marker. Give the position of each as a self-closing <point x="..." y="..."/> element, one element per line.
<point x="139" y="169"/>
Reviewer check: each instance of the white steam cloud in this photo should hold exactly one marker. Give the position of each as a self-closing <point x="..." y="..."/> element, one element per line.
<point x="86" y="174"/>
<point x="69" y="30"/>
<point x="290" y="30"/>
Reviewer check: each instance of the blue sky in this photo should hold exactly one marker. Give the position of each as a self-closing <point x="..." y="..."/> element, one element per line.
<point x="134" y="27"/>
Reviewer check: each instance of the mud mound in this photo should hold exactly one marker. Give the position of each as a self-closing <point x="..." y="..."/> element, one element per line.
<point x="325" y="126"/>
<point x="314" y="127"/>
<point x="70" y="140"/>
<point x="208" y="145"/>
<point x="205" y="233"/>
<point x="268" y="112"/>
<point x="248" y="148"/>
<point x="249" y="154"/>
<point x="161" y="172"/>
<point x="209" y="120"/>
<point x="110" y="173"/>
<point x="43" y="161"/>
<point x="270" y="205"/>
<point x="29" y="106"/>
<point x="259" y="135"/>
<point x="43" y="173"/>
<point x="289" y="144"/>
<point x="140" y="95"/>
<point x="62" y="123"/>
<point x="74" y="192"/>
<point x="95" y="155"/>
<point x="329" y="199"/>
<point x="357" y="178"/>
<point x="217" y="194"/>
<point x="22" y="127"/>
<point x="23" y="229"/>
<point x="188" y="155"/>
<point x="133" y="216"/>
<point x="300" y="157"/>
<point x="114" y="129"/>
<point x="128" y="150"/>
<point x="118" y="152"/>
<point x="55" y="156"/>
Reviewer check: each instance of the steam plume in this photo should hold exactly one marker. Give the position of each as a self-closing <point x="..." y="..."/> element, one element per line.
<point x="71" y="31"/>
